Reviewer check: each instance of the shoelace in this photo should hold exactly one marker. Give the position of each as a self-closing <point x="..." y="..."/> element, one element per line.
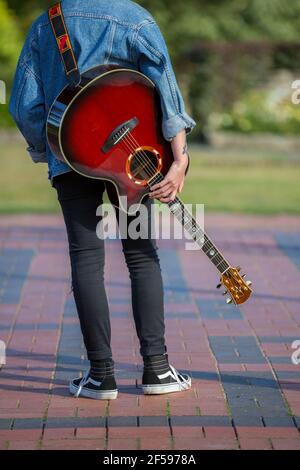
<point x="82" y="383"/>
<point x="184" y="383"/>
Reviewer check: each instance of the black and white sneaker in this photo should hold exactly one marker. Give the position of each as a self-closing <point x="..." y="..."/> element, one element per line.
<point x="105" y="389"/>
<point x="161" y="377"/>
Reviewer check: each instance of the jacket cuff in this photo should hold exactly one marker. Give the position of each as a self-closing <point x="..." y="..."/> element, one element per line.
<point x="172" y="126"/>
<point x="37" y="155"/>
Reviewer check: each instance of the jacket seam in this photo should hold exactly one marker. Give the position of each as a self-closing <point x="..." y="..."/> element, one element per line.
<point x="19" y="95"/>
<point x="172" y="87"/>
<point x="134" y="38"/>
<point x="166" y="68"/>
<point x="102" y="17"/>
<point x="150" y="48"/>
<point x="135" y="27"/>
<point x="26" y="66"/>
<point x="26" y="59"/>
<point x="111" y="41"/>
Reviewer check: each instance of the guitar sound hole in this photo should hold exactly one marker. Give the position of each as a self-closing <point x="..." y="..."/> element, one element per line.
<point x="143" y="164"/>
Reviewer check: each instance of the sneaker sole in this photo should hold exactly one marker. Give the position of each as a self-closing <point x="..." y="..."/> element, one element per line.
<point x="166" y="388"/>
<point x="102" y="395"/>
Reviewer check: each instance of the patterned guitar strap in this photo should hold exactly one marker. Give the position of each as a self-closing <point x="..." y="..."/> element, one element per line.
<point x="64" y="44"/>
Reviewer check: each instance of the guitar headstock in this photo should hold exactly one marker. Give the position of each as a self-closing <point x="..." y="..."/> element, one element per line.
<point x="236" y="287"/>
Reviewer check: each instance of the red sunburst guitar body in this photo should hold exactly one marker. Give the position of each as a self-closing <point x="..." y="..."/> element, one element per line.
<point x="109" y="128"/>
<point x="82" y="120"/>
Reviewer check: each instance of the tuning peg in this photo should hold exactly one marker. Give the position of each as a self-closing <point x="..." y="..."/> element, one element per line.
<point x="243" y="275"/>
<point x="225" y="292"/>
<point x="238" y="268"/>
<point x="229" y="301"/>
<point x="249" y="283"/>
<point x="219" y="285"/>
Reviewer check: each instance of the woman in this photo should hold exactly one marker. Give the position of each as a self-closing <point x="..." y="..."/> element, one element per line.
<point x="123" y="33"/>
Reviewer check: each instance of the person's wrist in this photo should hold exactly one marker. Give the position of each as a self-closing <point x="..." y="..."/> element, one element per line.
<point x="182" y="161"/>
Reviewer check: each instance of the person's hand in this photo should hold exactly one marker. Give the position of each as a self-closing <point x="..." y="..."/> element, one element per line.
<point x="172" y="183"/>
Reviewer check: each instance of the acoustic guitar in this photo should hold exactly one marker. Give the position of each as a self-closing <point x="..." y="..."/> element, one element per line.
<point x="109" y="127"/>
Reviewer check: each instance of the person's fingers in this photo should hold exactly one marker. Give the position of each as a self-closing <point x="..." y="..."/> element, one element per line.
<point x="161" y="192"/>
<point x="163" y="186"/>
<point x="160" y="185"/>
<point x="164" y="199"/>
<point x="173" y="195"/>
<point x="165" y="193"/>
<point x="155" y="186"/>
<point x="169" y="197"/>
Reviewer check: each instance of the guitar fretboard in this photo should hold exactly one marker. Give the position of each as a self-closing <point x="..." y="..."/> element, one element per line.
<point x="194" y="229"/>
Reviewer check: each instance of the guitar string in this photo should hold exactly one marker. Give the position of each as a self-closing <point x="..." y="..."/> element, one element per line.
<point x="132" y="150"/>
<point x="218" y="257"/>
<point x="131" y="145"/>
<point x="133" y="142"/>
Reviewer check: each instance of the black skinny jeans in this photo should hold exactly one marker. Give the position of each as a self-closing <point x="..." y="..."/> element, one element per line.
<point x="79" y="198"/>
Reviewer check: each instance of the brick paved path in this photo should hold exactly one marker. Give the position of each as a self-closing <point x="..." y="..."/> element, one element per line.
<point x="245" y="388"/>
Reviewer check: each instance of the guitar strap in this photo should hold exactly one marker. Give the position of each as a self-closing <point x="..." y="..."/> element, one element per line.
<point x="64" y="45"/>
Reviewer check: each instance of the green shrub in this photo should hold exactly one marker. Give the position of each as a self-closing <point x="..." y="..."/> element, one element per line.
<point x="260" y="111"/>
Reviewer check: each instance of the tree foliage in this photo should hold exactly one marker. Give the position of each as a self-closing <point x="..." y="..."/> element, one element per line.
<point x="192" y="29"/>
<point x="10" y="40"/>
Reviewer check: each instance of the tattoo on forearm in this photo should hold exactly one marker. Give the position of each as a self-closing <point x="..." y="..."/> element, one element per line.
<point x="185" y="150"/>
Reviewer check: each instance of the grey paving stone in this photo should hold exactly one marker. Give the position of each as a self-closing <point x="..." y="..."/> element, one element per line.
<point x="120" y="314"/>
<point x="92" y="422"/>
<point x="247" y="421"/>
<point x="193" y="420"/>
<point x="27" y="423"/>
<point x="239" y="411"/>
<point x="120" y="421"/>
<point x="280" y="421"/>
<point x="280" y="359"/>
<point x="274" y="413"/>
<point x="289" y="244"/>
<point x="210" y="309"/>
<point x="65" y="422"/>
<point x="180" y="315"/>
<point x="14" y="267"/>
<point x="5" y="423"/>
<point x="215" y="420"/>
<point x="153" y="421"/>
<point x="281" y="375"/>
<point x="224" y="348"/>
<point x="278" y="339"/>
<point x="200" y="420"/>
<point x="77" y="422"/>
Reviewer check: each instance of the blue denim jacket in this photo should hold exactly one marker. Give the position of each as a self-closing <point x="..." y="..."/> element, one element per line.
<point x="118" y="32"/>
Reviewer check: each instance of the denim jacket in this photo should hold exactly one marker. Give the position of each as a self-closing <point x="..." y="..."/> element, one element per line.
<point x="101" y="31"/>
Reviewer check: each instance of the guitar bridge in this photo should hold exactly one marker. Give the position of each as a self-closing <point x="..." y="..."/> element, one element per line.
<point x="119" y="133"/>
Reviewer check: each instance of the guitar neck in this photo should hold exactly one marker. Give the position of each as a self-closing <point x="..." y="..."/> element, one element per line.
<point x="194" y="229"/>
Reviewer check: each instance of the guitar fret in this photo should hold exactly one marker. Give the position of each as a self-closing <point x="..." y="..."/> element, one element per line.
<point x="223" y="266"/>
<point x="209" y="247"/>
<point x="191" y="226"/>
<point x="225" y="269"/>
<point x="220" y="260"/>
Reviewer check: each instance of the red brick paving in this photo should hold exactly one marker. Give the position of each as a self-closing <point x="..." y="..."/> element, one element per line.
<point x="36" y="411"/>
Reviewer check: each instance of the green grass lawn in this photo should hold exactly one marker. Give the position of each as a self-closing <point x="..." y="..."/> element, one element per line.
<point x="250" y="182"/>
<point x="239" y="181"/>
